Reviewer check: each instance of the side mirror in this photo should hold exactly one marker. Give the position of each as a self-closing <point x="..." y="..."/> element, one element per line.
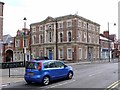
<point x="65" y="66"/>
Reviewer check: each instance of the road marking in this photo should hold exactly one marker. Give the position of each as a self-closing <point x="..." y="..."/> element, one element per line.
<point x="94" y="74"/>
<point x="114" y="85"/>
<point x="115" y="63"/>
<point x="62" y="84"/>
<point x="4" y="85"/>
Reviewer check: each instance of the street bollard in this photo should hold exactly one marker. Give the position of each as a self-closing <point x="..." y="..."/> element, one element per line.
<point x="9" y="69"/>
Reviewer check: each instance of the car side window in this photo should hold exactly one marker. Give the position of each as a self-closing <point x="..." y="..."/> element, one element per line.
<point x="46" y="65"/>
<point x="52" y="65"/>
<point x="59" y="64"/>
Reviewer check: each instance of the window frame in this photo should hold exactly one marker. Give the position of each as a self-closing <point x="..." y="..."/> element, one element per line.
<point x="80" y="54"/>
<point x="68" y="37"/>
<point x="61" y="54"/>
<point x="17" y="43"/>
<point x="34" y="39"/>
<point x="69" y="23"/>
<point x="69" y="57"/>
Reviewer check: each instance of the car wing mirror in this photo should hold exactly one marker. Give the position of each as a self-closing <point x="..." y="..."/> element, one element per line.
<point x="65" y="66"/>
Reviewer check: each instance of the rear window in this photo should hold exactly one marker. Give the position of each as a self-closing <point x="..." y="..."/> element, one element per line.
<point x="42" y="58"/>
<point x="32" y="65"/>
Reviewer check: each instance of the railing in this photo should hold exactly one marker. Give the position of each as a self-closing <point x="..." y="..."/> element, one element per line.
<point x="11" y="65"/>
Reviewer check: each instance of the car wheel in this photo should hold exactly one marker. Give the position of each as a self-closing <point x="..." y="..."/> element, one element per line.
<point x="46" y="80"/>
<point x="70" y="75"/>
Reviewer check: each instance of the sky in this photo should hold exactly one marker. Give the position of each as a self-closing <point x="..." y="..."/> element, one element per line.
<point x="99" y="11"/>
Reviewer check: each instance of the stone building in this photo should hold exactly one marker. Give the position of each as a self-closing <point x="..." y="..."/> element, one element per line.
<point x="69" y="37"/>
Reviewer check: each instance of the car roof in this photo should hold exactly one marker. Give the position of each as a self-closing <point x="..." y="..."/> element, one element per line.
<point x="42" y="60"/>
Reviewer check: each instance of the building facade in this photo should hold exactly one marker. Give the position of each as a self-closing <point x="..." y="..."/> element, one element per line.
<point x="7" y="48"/>
<point x="69" y="37"/>
<point x="109" y="42"/>
<point x="1" y="20"/>
<point x="104" y="47"/>
<point x="22" y="45"/>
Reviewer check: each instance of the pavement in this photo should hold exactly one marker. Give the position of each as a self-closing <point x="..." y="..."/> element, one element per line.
<point x="5" y="79"/>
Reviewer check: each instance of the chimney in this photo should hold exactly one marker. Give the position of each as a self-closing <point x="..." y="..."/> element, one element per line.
<point x="106" y="34"/>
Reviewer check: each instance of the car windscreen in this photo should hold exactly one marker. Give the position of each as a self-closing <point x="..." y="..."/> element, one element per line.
<point x="32" y="65"/>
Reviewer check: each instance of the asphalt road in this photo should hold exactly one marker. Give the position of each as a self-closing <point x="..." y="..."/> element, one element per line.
<point x="85" y="76"/>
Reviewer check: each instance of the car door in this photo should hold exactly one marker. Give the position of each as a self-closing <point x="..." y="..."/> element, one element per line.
<point x="52" y="70"/>
<point x="61" y="69"/>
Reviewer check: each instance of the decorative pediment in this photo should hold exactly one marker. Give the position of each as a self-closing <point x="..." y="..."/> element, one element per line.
<point x="49" y="19"/>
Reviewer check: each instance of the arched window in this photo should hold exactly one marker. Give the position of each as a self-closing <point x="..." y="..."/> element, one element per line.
<point x="61" y="37"/>
<point x="34" y="39"/>
<point x="69" y="36"/>
<point x="41" y="39"/>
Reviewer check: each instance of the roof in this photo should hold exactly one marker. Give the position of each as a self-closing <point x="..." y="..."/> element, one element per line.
<point x="10" y="40"/>
<point x="75" y="16"/>
<point x="7" y="38"/>
<point x="103" y="38"/>
<point x="42" y="60"/>
<point x="51" y="19"/>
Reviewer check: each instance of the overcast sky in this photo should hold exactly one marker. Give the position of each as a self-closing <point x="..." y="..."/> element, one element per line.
<point x="99" y="11"/>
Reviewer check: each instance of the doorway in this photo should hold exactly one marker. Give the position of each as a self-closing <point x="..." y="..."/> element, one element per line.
<point x="9" y="56"/>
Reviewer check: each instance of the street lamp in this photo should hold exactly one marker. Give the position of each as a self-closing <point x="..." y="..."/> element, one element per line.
<point x="24" y="46"/>
<point x="109" y="40"/>
<point x="9" y="46"/>
<point x="56" y="39"/>
<point x="88" y="53"/>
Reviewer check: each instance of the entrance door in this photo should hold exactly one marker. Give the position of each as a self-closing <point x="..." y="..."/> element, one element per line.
<point x="9" y="56"/>
<point x="50" y="54"/>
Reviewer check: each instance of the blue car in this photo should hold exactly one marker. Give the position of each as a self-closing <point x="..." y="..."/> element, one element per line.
<point x="44" y="71"/>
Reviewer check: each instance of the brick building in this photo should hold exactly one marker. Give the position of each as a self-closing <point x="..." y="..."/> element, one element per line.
<point x="22" y="45"/>
<point x="104" y="47"/>
<point x="114" y="45"/>
<point x="7" y="48"/>
<point x="69" y="37"/>
<point x="1" y="20"/>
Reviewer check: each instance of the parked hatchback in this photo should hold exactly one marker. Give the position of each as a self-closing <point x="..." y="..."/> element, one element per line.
<point x="44" y="71"/>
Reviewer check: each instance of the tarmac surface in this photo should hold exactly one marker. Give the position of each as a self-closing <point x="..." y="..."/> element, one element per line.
<point x="5" y="79"/>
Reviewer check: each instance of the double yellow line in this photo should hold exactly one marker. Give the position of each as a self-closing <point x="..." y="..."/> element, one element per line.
<point x="114" y="85"/>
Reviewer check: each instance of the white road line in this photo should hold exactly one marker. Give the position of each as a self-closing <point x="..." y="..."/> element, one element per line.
<point x="113" y="85"/>
<point x="94" y="74"/>
<point x="85" y="65"/>
<point x="115" y="63"/>
<point x="4" y="85"/>
<point x="62" y="84"/>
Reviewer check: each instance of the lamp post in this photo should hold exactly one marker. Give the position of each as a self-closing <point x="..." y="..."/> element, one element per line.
<point x="24" y="45"/>
<point x="56" y="39"/>
<point x="30" y="42"/>
<point x="88" y="58"/>
<point x="9" y="46"/>
<point x="109" y="41"/>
